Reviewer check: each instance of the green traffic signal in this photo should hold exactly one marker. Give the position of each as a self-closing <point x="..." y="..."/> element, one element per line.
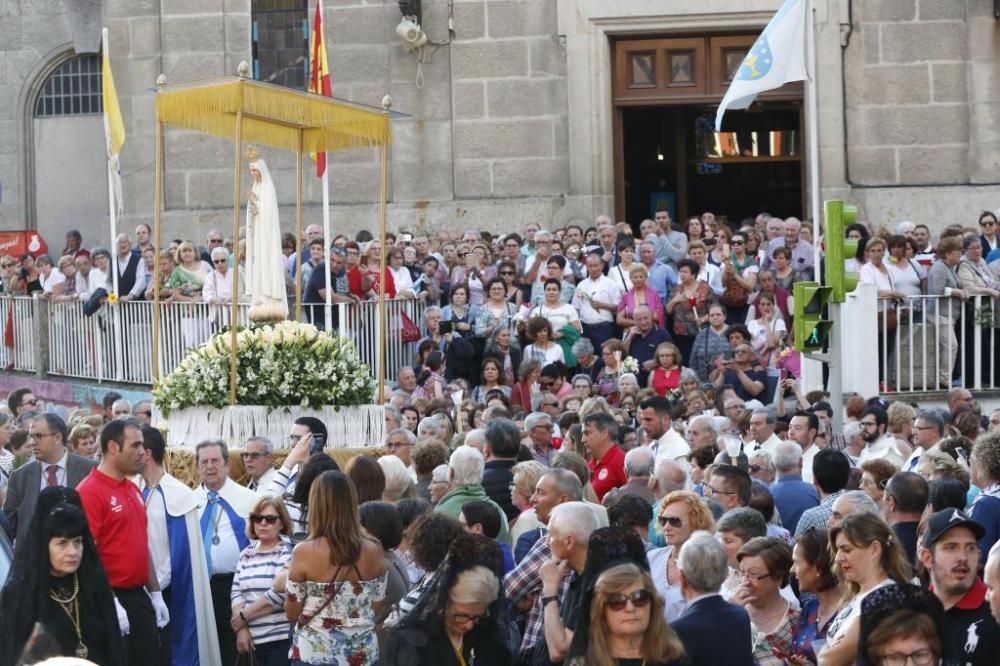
<point x="839" y="249"/>
<point x="811" y="328"/>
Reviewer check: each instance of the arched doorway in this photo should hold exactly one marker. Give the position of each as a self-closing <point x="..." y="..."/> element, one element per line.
<point x="70" y="171"/>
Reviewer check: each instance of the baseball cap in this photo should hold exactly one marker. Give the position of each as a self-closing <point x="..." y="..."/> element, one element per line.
<point x="942" y="521"/>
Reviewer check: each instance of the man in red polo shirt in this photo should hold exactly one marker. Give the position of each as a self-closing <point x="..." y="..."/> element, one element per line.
<point x="607" y="460"/>
<point x="117" y="518"/>
<point x="949" y="551"/>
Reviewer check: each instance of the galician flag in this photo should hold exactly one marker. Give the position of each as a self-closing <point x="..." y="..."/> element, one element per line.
<point x="114" y="126"/>
<point x="319" y="72"/>
<point x="777" y="57"/>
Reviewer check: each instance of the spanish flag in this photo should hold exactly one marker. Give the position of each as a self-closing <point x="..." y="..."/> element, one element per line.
<point x="114" y="127"/>
<point x="319" y="72"/>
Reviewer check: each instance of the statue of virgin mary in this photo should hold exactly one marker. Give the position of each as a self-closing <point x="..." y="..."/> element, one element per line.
<point x="265" y="268"/>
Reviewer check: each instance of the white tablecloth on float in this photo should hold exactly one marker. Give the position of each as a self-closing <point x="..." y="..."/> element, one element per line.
<point x="347" y="427"/>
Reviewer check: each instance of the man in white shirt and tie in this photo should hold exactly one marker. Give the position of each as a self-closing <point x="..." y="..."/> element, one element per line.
<point x="928" y="429"/>
<point x="762" y="431"/>
<point x="225" y="506"/>
<point x="597" y="298"/>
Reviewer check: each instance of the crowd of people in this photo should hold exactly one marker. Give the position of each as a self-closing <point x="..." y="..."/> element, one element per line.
<point x="632" y="472"/>
<point x="588" y="282"/>
<point x="511" y="537"/>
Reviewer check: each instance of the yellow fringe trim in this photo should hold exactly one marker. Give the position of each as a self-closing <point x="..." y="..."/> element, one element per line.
<point x="272" y="115"/>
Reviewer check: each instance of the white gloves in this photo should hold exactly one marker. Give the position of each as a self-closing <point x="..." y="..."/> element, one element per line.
<point x="122" y="618"/>
<point x="160" y="608"/>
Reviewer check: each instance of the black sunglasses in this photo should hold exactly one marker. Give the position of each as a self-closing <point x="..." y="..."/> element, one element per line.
<point x="269" y="519"/>
<point x="673" y="521"/>
<point x="617" y="601"/>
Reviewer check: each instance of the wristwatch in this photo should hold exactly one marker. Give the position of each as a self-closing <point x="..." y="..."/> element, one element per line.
<point x="547" y="600"/>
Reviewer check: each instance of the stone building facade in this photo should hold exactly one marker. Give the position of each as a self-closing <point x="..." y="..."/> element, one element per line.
<point x="514" y="120"/>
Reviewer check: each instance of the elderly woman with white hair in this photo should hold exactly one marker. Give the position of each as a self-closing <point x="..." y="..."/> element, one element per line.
<point x="398" y="482"/>
<point x="218" y="288"/>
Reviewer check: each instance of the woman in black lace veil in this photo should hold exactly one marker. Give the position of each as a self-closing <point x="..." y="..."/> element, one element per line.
<point x="421" y="638"/>
<point x="87" y="612"/>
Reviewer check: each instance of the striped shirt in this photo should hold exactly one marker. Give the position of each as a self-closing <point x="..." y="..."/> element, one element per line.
<point x="254" y="576"/>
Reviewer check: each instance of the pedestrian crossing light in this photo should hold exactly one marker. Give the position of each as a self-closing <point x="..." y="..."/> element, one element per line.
<point x="812" y="330"/>
<point x="839" y="249"/>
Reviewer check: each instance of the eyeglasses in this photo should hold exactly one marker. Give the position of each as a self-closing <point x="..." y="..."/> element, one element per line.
<point x="673" y="521"/>
<point x="617" y="601"/>
<point x="757" y="468"/>
<point x="550" y="404"/>
<point x="987" y="224"/>
<point x="39" y="435"/>
<point x="506" y="272"/>
<point x="716" y="491"/>
<point x="252" y="456"/>
<point x="921" y="657"/>
<point x="143" y="412"/>
<point x="268" y="519"/>
<point x="465" y="618"/>
<point x="749" y="575"/>
<point x="738" y="242"/>
<point x="214" y="241"/>
<point x="33" y="402"/>
<point x="869" y="424"/>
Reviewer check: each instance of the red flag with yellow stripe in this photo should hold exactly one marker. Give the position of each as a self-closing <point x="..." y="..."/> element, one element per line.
<point x="319" y="72"/>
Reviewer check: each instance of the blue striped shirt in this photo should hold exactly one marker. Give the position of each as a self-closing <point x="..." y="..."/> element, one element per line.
<point x="254" y="576"/>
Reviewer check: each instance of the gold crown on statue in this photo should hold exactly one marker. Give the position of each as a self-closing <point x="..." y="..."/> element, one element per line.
<point x="253" y="153"/>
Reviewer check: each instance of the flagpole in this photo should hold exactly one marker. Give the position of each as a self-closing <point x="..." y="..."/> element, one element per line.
<point x="328" y="308"/>
<point x="812" y="120"/>
<point x="112" y="210"/>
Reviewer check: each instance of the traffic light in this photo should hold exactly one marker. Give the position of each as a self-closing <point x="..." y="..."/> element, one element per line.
<point x="812" y="330"/>
<point x="839" y="249"/>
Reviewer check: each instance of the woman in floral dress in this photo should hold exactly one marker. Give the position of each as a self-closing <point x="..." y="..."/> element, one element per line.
<point x="336" y="581"/>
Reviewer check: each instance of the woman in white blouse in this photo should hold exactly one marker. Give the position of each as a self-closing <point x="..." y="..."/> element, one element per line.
<point x="875" y="272"/>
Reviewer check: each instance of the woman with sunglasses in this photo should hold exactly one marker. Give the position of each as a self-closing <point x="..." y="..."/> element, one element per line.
<point x="626" y="622"/>
<point x="496" y="312"/>
<point x="507" y="271"/>
<point x="765" y="564"/>
<point x="681" y="514"/>
<point x="258" y="611"/>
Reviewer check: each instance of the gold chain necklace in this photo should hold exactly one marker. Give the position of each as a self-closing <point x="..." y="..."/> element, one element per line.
<point x="74" y="616"/>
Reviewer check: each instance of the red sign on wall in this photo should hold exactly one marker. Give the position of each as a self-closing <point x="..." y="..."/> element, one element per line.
<point x="16" y="243"/>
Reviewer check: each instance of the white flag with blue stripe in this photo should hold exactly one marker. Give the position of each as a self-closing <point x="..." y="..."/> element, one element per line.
<point x="777" y="57"/>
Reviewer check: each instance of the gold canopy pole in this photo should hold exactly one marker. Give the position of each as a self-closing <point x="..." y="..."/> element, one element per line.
<point x="298" y="228"/>
<point x="383" y="203"/>
<point x="157" y="201"/>
<point x="236" y="263"/>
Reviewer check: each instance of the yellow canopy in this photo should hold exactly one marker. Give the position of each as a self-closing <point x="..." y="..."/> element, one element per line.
<point x="272" y="115"/>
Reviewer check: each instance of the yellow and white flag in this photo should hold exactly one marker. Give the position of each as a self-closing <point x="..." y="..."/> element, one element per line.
<point x="777" y="57"/>
<point x="114" y="126"/>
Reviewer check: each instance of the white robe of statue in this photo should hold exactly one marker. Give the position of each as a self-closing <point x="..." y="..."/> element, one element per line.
<point x="265" y="268"/>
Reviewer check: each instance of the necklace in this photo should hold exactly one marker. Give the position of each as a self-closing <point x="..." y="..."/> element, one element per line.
<point x="74" y="616"/>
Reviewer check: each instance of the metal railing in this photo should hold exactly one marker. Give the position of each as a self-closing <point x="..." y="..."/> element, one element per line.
<point x="115" y="343"/>
<point x="18" y="339"/>
<point x="360" y="323"/>
<point x="939" y="342"/>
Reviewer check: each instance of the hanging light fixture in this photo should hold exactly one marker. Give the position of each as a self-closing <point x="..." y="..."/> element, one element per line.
<point x="659" y="154"/>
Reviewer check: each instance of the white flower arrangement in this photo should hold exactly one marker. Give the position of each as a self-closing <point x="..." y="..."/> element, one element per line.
<point x="278" y="365"/>
<point x="629" y="364"/>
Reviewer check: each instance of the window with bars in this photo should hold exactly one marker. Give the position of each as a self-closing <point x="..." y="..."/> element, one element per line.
<point x="280" y="35"/>
<point x="72" y="90"/>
